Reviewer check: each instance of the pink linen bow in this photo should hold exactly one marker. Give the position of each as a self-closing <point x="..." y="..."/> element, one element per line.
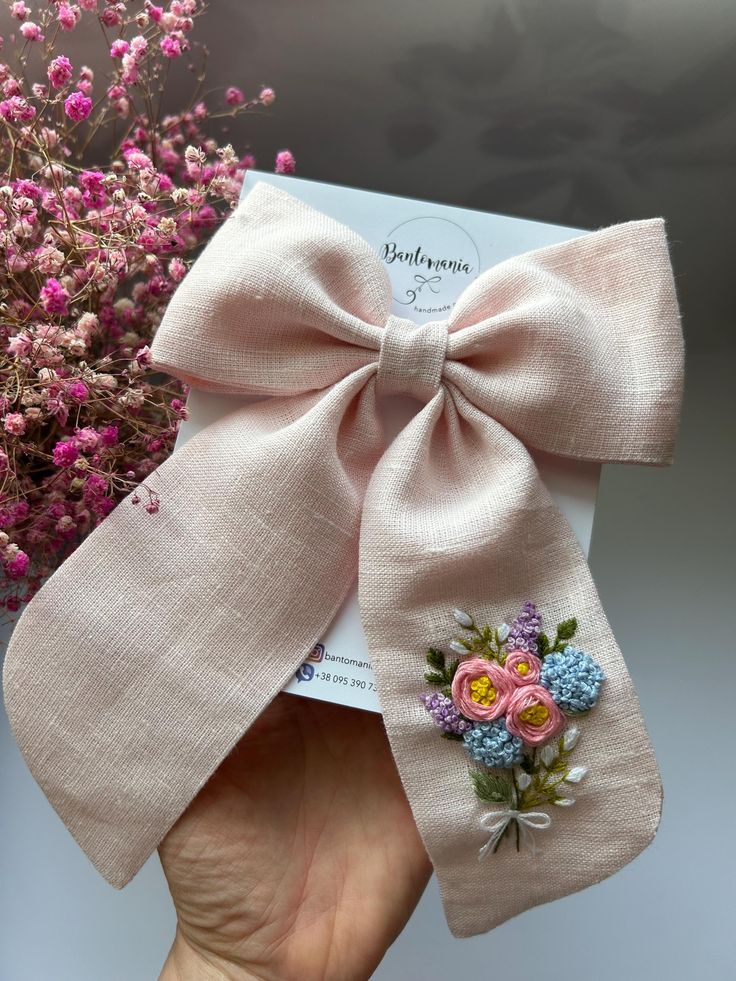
<point x="147" y="655"/>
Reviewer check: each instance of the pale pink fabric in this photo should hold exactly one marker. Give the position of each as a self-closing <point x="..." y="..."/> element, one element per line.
<point x="144" y="659"/>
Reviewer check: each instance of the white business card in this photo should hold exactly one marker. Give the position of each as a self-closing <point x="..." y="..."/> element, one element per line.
<point x="432" y="252"/>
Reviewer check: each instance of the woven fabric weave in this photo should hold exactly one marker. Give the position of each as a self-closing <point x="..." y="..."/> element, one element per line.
<point x="148" y="654"/>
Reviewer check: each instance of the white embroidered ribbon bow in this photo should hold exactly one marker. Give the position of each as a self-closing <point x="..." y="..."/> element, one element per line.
<point x="496" y="822"/>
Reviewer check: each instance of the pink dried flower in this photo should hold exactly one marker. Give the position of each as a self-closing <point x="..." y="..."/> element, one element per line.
<point x="78" y="391"/>
<point x="285" y="162"/>
<point x="88" y="322"/>
<point x="94" y="485"/>
<point x="111" y="16"/>
<point x="267" y="96"/>
<point x="60" y="71"/>
<point x="234" y="96"/>
<point x="87" y="439"/>
<point x="18" y="565"/>
<point x="14" y="423"/>
<point x="17" y="110"/>
<point x="116" y="240"/>
<point x="143" y="356"/>
<point x="31" y="31"/>
<point x="109" y="435"/>
<point x="138" y="47"/>
<point x="65" y="453"/>
<point x="130" y="71"/>
<point x="177" y="270"/>
<point x="77" y="106"/>
<point x="68" y="16"/>
<point x="171" y="46"/>
<point x="54" y="298"/>
<point x="138" y="160"/>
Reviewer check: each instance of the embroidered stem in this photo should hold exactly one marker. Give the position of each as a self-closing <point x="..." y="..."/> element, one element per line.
<point x="548" y="769"/>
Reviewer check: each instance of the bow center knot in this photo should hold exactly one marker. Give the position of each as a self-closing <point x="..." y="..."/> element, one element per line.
<point x="412" y="358"/>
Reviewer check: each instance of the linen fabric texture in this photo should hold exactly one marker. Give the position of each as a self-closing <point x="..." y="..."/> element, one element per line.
<point x="147" y="655"/>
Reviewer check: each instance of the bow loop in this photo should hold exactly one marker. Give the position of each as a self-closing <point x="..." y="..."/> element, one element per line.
<point x="412" y="358"/>
<point x="592" y="321"/>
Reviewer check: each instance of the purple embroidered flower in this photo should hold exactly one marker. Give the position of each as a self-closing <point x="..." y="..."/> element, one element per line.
<point x="444" y="714"/>
<point x="525" y="630"/>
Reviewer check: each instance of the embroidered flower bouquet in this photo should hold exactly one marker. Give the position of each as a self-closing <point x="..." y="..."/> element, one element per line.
<point x="507" y="698"/>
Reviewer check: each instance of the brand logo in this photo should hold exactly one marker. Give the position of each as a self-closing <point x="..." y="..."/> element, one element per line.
<point x="430" y="262"/>
<point x="317" y="653"/>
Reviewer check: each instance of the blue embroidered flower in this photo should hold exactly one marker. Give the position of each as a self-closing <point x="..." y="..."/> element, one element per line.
<point x="573" y="678"/>
<point x="492" y="744"/>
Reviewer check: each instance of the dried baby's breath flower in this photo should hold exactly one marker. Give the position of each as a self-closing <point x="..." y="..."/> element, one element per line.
<point x="92" y="250"/>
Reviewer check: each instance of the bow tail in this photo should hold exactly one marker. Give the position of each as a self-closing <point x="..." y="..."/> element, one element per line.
<point x="144" y="658"/>
<point x="456" y="515"/>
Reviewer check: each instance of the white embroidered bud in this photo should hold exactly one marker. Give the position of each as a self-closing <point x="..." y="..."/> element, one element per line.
<point x="548" y="754"/>
<point x="463" y="618"/>
<point x="564" y="802"/>
<point x="569" y="740"/>
<point x="576" y="774"/>
<point x="503" y="632"/>
<point x="523" y="780"/>
<point x="457" y="647"/>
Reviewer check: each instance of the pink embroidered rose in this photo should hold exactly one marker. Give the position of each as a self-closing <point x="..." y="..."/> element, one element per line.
<point x="481" y="689"/>
<point x="524" y="668"/>
<point x="533" y="716"/>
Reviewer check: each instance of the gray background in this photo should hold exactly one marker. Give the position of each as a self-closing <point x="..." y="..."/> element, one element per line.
<point x="573" y="111"/>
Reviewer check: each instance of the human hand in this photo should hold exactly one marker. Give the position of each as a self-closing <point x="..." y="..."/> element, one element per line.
<point x="300" y="858"/>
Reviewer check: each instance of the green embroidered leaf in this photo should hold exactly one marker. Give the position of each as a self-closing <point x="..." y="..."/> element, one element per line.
<point x="452" y="735"/>
<point x="492" y="788"/>
<point x="543" y="645"/>
<point x="435" y="677"/>
<point x="440" y="673"/>
<point x="566" y="630"/>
